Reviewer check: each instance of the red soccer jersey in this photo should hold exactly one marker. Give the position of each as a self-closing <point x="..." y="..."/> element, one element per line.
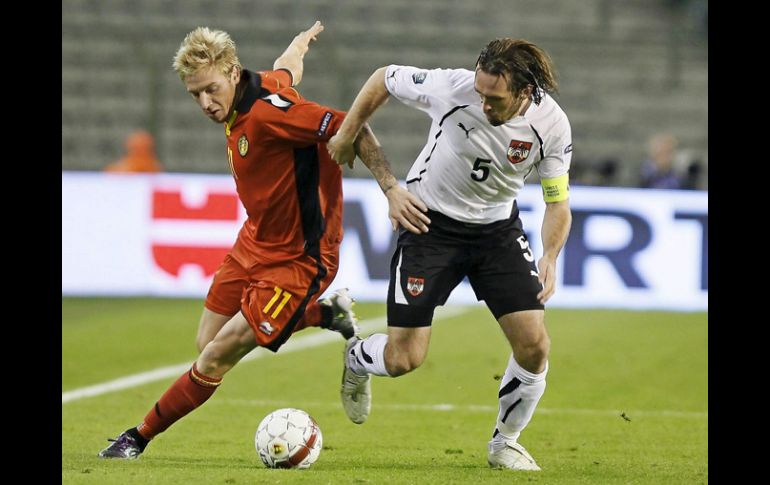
<point x="285" y="178"/>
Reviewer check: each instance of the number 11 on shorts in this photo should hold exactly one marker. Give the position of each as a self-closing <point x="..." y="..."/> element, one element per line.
<point x="278" y="292"/>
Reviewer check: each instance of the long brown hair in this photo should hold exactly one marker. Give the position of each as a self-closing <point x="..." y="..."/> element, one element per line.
<point x="522" y="63"/>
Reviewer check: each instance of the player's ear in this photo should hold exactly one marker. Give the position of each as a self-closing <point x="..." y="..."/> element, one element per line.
<point x="235" y="75"/>
<point x="527" y="91"/>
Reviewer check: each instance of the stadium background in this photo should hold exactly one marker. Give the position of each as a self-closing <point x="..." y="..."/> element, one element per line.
<point x="627" y="69"/>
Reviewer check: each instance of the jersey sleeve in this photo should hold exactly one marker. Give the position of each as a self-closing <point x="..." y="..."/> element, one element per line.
<point x="431" y="90"/>
<point x="275" y="80"/>
<point x="297" y="121"/>
<point x="557" y="151"/>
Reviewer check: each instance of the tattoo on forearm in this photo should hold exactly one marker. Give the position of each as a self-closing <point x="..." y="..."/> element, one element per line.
<point x="373" y="156"/>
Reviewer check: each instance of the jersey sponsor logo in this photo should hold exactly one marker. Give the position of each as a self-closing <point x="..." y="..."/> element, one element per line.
<point x="568" y="148"/>
<point x="278" y="101"/>
<point x="415" y="285"/>
<point x="266" y="328"/>
<point x="324" y="124"/>
<point x="518" y="151"/>
<point x="466" y="130"/>
<point x="243" y="145"/>
<point x="419" y="77"/>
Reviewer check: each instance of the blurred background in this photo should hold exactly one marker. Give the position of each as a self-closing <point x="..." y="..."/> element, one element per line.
<point x="633" y="75"/>
<point x="633" y="80"/>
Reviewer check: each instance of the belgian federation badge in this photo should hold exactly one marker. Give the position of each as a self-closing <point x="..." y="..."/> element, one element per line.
<point x="518" y="151"/>
<point x="415" y="285"/>
<point x="243" y="145"/>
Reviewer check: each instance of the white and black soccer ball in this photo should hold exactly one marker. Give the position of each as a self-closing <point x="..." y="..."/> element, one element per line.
<point x="288" y="438"/>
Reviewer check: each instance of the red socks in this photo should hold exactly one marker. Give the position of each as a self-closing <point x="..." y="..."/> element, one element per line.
<point x="188" y="392"/>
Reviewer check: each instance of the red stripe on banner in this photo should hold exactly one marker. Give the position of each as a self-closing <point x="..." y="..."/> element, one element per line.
<point x="171" y="258"/>
<point x="169" y="205"/>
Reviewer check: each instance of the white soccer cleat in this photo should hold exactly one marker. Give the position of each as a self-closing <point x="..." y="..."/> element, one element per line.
<point x="509" y="454"/>
<point x="344" y="320"/>
<point x="356" y="390"/>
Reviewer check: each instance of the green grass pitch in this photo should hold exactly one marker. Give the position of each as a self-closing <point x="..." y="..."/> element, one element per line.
<point x="626" y="402"/>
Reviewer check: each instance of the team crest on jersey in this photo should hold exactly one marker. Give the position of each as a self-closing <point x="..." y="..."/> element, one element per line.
<point x="518" y="151"/>
<point x="243" y="145"/>
<point x="415" y="285"/>
<point x="419" y="77"/>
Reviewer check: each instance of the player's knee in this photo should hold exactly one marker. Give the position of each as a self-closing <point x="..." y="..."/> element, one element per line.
<point x="212" y="362"/>
<point x="533" y="355"/>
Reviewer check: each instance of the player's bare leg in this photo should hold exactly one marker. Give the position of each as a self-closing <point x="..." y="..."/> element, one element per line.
<point x="230" y="345"/>
<point x="211" y="323"/>
<point x="190" y="391"/>
<point x="521" y="388"/>
<point x="401" y="351"/>
<point x="406" y="349"/>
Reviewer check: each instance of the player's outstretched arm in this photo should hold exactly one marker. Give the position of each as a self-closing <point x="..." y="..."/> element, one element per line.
<point x="372" y="95"/>
<point x="291" y="58"/>
<point x="404" y="208"/>
<point x="556" y="223"/>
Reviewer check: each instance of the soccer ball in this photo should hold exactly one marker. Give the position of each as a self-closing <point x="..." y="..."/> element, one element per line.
<point x="288" y="438"/>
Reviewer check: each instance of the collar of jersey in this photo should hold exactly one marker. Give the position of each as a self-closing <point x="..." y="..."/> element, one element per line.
<point x="251" y="92"/>
<point x="230" y="122"/>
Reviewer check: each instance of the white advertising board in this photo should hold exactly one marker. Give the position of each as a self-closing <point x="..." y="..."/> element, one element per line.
<point x="165" y="235"/>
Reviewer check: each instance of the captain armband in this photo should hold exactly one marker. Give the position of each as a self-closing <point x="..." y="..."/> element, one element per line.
<point x="555" y="189"/>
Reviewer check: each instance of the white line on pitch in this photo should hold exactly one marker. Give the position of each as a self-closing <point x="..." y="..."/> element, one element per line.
<point x="481" y="408"/>
<point x="294" y="344"/>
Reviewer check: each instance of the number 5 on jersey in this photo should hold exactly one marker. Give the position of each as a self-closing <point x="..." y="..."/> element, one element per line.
<point x="477" y="165"/>
<point x="275" y="298"/>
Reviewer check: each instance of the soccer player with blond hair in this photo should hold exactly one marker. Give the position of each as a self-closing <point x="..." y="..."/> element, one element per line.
<point x="287" y="252"/>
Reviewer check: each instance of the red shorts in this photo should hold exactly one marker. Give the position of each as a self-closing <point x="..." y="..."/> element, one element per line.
<point x="272" y="296"/>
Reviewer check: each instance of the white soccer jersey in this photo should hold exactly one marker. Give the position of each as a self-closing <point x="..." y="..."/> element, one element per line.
<point x="470" y="170"/>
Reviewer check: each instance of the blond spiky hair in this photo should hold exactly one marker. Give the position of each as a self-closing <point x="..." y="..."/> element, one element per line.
<point x="203" y="48"/>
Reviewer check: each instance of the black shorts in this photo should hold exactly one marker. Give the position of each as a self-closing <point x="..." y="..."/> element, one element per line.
<point x="495" y="257"/>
